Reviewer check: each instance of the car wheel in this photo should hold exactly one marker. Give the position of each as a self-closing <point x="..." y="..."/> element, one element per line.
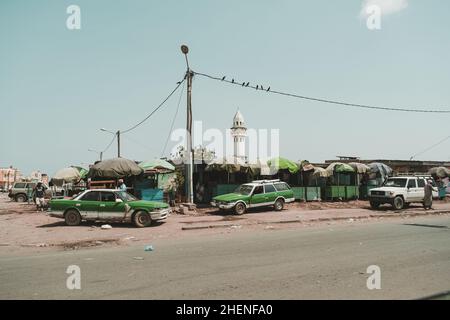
<point x="72" y="218"/>
<point x="21" y="198"/>
<point x="374" y="205"/>
<point x="279" y="205"/>
<point x="142" y="219"/>
<point x="239" y="208"/>
<point x="398" y="203"/>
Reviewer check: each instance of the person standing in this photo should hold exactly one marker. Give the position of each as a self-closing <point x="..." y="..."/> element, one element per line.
<point x="122" y="186"/>
<point x="428" y="197"/>
<point x="39" y="192"/>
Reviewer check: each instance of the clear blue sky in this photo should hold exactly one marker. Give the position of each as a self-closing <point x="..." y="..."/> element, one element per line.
<point x="58" y="87"/>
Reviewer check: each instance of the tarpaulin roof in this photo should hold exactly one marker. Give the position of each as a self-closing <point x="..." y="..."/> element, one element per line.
<point x="115" y="168"/>
<point x="156" y="164"/>
<point x="321" y="172"/>
<point x="339" y="167"/>
<point x="306" y="166"/>
<point x="276" y="164"/>
<point x="359" y="167"/>
<point x="383" y="169"/>
<point x="67" y="175"/>
<point x="441" y="172"/>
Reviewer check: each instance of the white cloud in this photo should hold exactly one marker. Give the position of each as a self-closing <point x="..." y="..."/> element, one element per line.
<point x="386" y="6"/>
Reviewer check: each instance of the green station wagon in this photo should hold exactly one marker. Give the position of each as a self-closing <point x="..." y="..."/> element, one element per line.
<point x="256" y="194"/>
<point x="108" y="205"/>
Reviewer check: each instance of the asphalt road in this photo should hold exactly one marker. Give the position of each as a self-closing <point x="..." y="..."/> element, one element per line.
<point x="324" y="262"/>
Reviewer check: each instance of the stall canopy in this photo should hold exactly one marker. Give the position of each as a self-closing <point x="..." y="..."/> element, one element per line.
<point x="69" y="175"/>
<point x="115" y="168"/>
<point x="440" y="172"/>
<point x="276" y="164"/>
<point x="229" y="165"/>
<point x="381" y="168"/>
<point x="321" y="172"/>
<point x="306" y="166"/>
<point x="339" y="167"/>
<point x="156" y="165"/>
<point x="359" y="167"/>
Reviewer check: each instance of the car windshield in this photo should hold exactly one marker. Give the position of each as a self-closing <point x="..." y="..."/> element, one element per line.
<point x="396" y="182"/>
<point x="125" y="196"/>
<point x="244" y="189"/>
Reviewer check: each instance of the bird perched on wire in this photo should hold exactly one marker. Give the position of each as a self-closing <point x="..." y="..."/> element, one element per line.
<point x="268" y="89"/>
<point x="232" y="80"/>
<point x="257" y="87"/>
<point x="243" y="83"/>
<point x="179" y="82"/>
<point x="247" y="84"/>
<point x="262" y="87"/>
<point x="223" y="78"/>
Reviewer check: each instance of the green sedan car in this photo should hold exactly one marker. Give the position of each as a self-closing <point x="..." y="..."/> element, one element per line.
<point x="108" y="205"/>
<point x="256" y="194"/>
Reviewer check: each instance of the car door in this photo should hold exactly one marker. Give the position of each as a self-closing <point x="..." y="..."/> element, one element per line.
<point x="109" y="209"/>
<point x="258" y="197"/>
<point x="421" y="188"/>
<point x="413" y="193"/>
<point x="270" y="193"/>
<point x="88" y="205"/>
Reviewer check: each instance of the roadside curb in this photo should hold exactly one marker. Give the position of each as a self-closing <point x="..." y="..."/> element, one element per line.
<point x="387" y="215"/>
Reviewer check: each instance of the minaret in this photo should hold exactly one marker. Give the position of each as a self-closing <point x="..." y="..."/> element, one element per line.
<point x="238" y="131"/>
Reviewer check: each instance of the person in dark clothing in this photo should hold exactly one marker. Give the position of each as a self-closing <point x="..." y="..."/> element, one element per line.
<point x="39" y="192"/>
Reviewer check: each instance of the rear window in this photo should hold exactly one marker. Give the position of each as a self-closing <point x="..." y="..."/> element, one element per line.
<point x="91" y="196"/>
<point x="269" y="188"/>
<point x="20" y="185"/>
<point x="108" y="196"/>
<point x="282" y="186"/>
<point x="421" y="183"/>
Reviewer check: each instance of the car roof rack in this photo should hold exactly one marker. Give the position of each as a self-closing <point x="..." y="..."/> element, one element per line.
<point x="416" y="174"/>
<point x="266" y="181"/>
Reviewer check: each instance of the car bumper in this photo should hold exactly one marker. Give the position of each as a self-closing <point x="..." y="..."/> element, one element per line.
<point x="225" y="206"/>
<point x="160" y="214"/>
<point x="381" y="199"/>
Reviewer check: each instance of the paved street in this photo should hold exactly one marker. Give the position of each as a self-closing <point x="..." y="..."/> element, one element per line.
<point x="318" y="262"/>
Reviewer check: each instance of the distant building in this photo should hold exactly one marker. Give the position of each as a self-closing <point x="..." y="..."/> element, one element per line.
<point x="239" y="133"/>
<point x="8" y="176"/>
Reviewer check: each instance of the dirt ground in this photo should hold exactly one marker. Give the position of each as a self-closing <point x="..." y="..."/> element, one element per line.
<point x="22" y="228"/>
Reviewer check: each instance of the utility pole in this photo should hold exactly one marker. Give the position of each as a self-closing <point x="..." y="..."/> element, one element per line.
<point x="189" y="162"/>
<point x="118" y="143"/>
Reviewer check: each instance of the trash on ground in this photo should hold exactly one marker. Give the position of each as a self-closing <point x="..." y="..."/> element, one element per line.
<point x="149" y="248"/>
<point x="138" y="258"/>
<point x="106" y="226"/>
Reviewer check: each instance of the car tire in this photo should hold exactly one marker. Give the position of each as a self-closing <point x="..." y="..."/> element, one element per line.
<point x="142" y="219"/>
<point x="278" y="205"/>
<point x="72" y="217"/>
<point x="239" y="208"/>
<point x="21" y="198"/>
<point x="374" y="205"/>
<point x="398" y="203"/>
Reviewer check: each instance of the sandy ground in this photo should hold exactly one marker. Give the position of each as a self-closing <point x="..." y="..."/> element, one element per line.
<point x="23" y="229"/>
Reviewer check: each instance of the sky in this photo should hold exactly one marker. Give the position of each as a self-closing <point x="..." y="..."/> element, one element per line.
<point x="58" y="87"/>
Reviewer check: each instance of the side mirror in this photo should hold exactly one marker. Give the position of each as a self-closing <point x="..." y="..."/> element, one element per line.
<point x="118" y="200"/>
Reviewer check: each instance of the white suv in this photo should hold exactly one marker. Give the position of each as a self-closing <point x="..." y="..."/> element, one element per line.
<point x="400" y="191"/>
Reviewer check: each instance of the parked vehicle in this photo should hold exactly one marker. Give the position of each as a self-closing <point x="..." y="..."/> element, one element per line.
<point x="110" y="206"/>
<point x="400" y="191"/>
<point x="256" y="194"/>
<point x="21" y="191"/>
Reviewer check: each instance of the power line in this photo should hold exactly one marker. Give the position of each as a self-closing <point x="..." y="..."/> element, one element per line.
<point x="157" y="108"/>
<point x="109" y="145"/>
<point x="268" y="90"/>
<point x="173" y="121"/>
<point x="431" y="147"/>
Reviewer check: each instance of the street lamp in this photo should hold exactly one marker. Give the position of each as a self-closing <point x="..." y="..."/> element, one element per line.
<point x="189" y="165"/>
<point x="99" y="152"/>
<point x="118" y="139"/>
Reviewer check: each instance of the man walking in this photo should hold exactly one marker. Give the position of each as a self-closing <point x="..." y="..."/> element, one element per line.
<point x="122" y="185"/>
<point x="428" y="198"/>
<point x="39" y="192"/>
